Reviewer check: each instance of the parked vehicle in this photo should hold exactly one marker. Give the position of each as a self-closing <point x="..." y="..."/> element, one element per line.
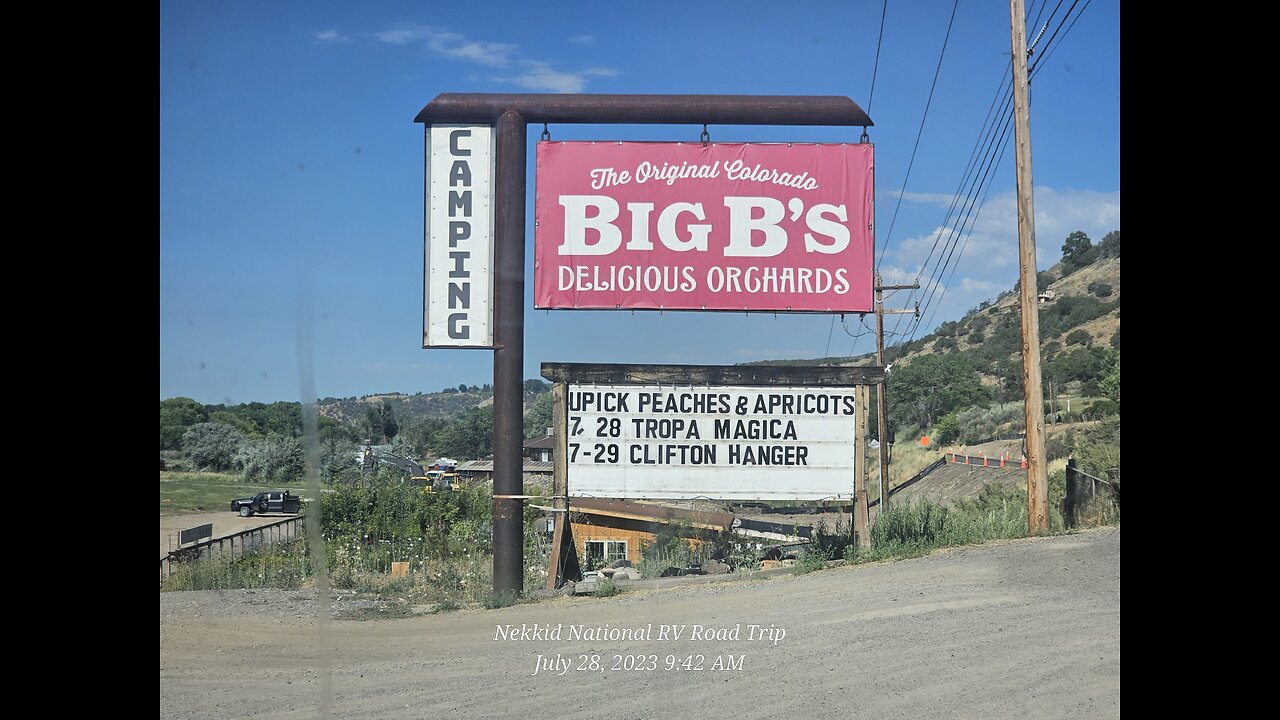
<point x="274" y="501"/>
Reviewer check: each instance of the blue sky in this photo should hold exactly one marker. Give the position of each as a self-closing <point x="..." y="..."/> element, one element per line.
<point x="291" y="175"/>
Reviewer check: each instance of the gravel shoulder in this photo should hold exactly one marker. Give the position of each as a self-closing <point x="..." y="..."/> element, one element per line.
<point x="1026" y="628"/>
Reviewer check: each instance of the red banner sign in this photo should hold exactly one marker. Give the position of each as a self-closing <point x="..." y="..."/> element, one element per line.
<point x="683" y="226"/>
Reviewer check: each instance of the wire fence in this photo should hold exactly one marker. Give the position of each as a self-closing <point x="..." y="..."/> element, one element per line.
<point x="232" y="546"/>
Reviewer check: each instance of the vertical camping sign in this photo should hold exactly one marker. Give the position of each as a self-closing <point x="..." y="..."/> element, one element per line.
<point x="458" y="292"/>
<point x="783" y="227"/>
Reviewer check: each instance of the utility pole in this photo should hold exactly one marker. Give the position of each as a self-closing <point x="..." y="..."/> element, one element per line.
<point x="882" y="410"/>
<point x="861" y="526"/>
<point x="1033" y="402"/>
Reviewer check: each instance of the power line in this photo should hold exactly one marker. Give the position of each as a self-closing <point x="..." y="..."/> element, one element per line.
<point x="875" y="69"/>
<point x="1048" y="45"/>
<point x="969" y="168"/>
<point x="957" y="241"/>
<point x="920" y="133"/>
<point x="1004" y="145"/>
<point x="979" y="164"/>
<point x="966" y="216"/>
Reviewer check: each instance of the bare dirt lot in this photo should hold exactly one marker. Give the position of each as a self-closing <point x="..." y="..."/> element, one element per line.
<point x="1027" y="628"/>
<point x="224" y="523"/>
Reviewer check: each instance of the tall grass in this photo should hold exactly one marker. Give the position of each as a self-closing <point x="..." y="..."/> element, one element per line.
<point x="915" y="528"/>
<point x="285" y="565"/>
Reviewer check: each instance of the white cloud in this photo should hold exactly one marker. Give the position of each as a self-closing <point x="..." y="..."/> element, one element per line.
<point x="938" y="199"/>
<point x="992" y="240"/>
<point x="403" y="36"/>
<point x="451" y="44"/>
<point x="970" y="285"/>
<point x="540" y="76"/>
<point x="331" y="36"/>
<point x="583" y="39"/>
<point x="986" y="258"/>
<point x="530" y="74"/>
<point x="484" y="53"/>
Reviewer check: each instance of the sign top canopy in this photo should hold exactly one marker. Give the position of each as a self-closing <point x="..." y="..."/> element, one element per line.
<point x="646" y="109"/>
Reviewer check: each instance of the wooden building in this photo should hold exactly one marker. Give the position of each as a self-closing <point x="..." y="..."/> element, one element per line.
<point x="608" y="530"/>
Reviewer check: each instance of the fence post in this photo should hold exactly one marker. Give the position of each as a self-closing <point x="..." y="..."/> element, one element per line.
<point x="1071" y="500"/>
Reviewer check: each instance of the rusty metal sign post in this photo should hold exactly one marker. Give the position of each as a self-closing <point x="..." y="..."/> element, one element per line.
<point x="511" y="114"/>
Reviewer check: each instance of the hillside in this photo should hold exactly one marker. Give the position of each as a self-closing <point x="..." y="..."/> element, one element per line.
<point x="447" y="404"/>
<point x="1079" y="326"/>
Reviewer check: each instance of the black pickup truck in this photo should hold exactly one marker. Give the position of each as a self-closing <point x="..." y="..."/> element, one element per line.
<point x="276" y="501"/>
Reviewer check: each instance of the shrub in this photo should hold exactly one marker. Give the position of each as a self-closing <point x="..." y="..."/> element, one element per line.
<point x="1078" y="337"/>
<point x="947" y="430"/>
<point x="814" y="558"/>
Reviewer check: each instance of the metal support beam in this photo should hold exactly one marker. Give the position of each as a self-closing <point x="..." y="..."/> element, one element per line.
<point x="508" y="357"/>
<point x="647" y="109"/>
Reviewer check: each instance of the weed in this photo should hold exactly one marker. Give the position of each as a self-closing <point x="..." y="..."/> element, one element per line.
<point x="493" y="601"/>
<point x="280" y="566"/>
<point x="606" y="588"/>
<point x="815" y="558"/>
<point x="380" y="611"/>
<point x="446" y="605"/>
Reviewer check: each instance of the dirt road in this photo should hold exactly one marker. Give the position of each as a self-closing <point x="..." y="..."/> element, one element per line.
<point x="1027" y="628"/>
<point x="224" y="523"/>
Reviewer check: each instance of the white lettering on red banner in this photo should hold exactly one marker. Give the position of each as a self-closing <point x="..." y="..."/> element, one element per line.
<point x="676" y="226"/>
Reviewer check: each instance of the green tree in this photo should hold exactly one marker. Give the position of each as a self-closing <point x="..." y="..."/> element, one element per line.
<point x="238" y="422"/>
<point x="470" y="437"/>
<point x="338" y="461"/>
<point x="932" y="386"/>
<point x="331" y="430"/>
<point x="946" y="430"/>
<point x="419" y="438"/>
<point x="372" y="425"/>
<point x="212" y="446"/>
<point x="176" y="415"/>
<point x="275" y="459"/>
<point x="1110" y="246"/>
<point x="538" y="419"/>
<point x="1077" y="251"/>
<point x="1110" y="384"/>
<point x="389" y="426"/>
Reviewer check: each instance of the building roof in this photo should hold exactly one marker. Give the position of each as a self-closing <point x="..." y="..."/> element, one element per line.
<point x="546" y="441"/>
<point x="650" y="513"/>
<point x="486" y="466"/>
